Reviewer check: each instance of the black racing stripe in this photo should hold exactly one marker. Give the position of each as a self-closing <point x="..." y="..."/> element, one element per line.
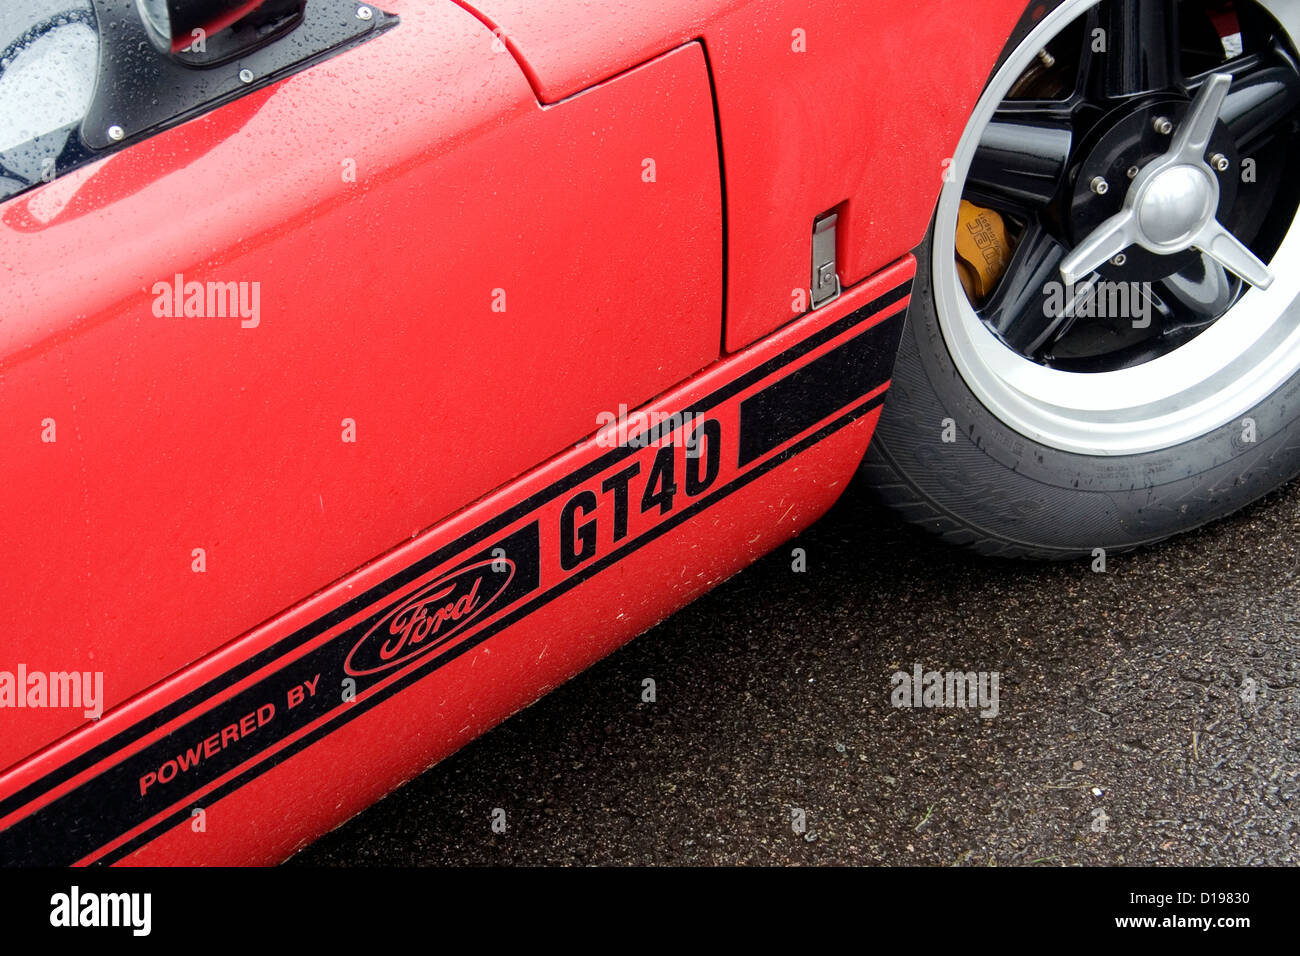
<point x="794" y="404"/>
<point x="356" y="710"/>
<point x="398" y="579"/>
<point x="110" y="803"/>
<point x="813" y="342"/>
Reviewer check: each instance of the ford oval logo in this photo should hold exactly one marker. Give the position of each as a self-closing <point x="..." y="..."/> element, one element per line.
<point x="430" y="617"/>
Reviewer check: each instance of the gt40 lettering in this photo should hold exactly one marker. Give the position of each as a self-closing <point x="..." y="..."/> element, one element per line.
<point x="697" y="459"/>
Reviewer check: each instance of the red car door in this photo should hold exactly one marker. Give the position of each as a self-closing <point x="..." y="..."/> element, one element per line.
<point x="247" y="355"/>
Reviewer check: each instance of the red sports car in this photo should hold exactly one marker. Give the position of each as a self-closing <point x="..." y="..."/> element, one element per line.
<point x="367" y="370"/>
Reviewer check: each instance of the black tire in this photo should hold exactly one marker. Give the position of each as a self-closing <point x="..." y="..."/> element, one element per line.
<point x="998" y="492"/>
<point x="992" y="489"/>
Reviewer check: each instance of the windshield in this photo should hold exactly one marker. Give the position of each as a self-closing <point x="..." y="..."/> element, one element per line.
<point x="49" y="55"/>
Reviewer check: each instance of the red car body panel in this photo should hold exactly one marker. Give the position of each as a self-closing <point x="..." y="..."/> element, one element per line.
<point x="477" y="173"/>
<point x="764" y="473"/>
<point x="822" y="104"/>
<point x="376" y="306"/>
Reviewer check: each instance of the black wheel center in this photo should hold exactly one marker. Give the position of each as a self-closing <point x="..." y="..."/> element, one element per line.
<point x="1105" y="169"/>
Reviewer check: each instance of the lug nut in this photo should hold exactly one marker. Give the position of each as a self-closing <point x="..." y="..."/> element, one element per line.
<point x="1046" y="59"/>
<point x="1099" y="186"/>
<point x="1132" y="172"/>
<point x="1119" y="260"/>
<point x="1220" y="162"/>
<point x="1162" y="125"/>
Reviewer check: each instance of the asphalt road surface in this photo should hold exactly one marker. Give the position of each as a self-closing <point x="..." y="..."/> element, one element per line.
<point x="1146" y="715"/>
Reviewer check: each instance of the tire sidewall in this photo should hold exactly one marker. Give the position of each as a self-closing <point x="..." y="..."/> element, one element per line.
<point x="1006" y="485"/>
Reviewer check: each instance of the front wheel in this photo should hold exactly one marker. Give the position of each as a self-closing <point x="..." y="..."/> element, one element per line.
<point x="1103" y="345"/>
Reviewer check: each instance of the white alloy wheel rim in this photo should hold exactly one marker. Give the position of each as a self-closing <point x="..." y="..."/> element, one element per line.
<point x="1217" y="377"/>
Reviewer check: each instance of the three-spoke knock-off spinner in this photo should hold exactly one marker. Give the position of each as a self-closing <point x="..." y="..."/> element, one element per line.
<point x="1171" y="203"/>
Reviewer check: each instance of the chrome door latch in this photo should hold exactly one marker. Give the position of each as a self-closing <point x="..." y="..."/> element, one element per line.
<point x="825" y="278"/>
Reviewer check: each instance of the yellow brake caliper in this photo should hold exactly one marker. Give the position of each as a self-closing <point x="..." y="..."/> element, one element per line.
<point x="982" y="250"/>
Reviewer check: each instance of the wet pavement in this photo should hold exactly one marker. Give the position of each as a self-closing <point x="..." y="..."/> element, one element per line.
<point x="1145" y="715"/>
